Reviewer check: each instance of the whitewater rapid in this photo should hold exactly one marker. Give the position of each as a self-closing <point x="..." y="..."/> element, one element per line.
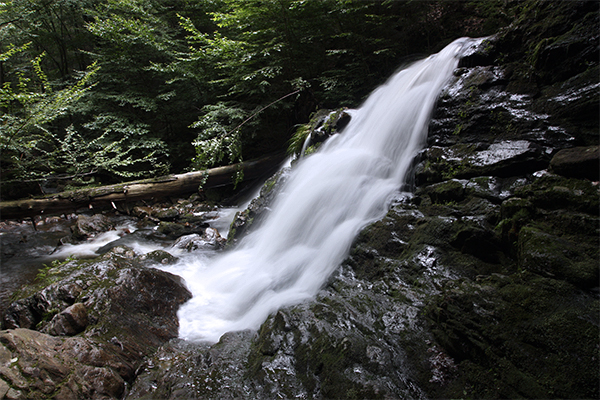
<point x="330" y="196"/>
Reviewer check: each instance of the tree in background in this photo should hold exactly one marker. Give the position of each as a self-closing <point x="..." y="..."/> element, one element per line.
<point x="53" y="127"/>
<point x="163" y="85"/>
<point x="28" y="148"/>
<point x="132" y="38"/>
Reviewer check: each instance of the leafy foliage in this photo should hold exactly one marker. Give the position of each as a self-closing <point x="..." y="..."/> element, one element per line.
<point x="219" y="137"/>
<point x="126" y="88"/>
<point x="28" y="146"/>
<point x="51" y="128"/>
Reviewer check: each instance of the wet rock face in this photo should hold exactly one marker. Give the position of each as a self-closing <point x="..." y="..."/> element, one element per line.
<point x="476" y="285"/>
<point x="85" y="332"/>
<point x="248" y="219"/>
<point x="523" y="267"/>
<point x="36" y="365"/>
<point x="68" y="322"/>
<point x="345" y="344"/>
<point x="577" y="162"/>
<point x="499" y="113"/>
<point x="184" y="370"/>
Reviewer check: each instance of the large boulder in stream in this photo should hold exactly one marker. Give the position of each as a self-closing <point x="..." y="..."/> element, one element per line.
<point x="85" y="327"/>
<point x="90" y="225"/>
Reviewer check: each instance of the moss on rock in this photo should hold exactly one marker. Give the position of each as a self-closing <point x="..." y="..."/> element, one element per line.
<point x="558" y="257"/>
<point x="511" y="336"/>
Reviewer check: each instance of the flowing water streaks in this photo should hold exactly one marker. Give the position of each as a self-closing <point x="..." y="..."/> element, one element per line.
<point x="330" y="196"/>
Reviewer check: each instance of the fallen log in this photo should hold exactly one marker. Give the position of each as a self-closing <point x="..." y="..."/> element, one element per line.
<point x="110" y="195"/>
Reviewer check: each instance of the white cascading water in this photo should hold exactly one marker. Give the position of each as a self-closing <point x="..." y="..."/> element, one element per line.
<point x="329" y="197"/>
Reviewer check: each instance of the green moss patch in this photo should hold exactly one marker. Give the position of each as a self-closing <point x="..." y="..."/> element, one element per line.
<point x="514" y="336"/>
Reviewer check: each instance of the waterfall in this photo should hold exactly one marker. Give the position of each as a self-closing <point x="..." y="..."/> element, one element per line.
<point x="305" y="144"/>
<point x="330" y="196"/>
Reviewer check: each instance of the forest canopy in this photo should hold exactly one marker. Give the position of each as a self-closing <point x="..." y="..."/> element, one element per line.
<point x="99" y="92"/>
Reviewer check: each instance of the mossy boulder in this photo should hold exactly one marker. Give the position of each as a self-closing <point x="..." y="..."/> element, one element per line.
<point x="452" y="190"/>
<point x="512" y="337"/>
<point x="486" y="187"/>
<point x="323" y="123"/>
<point x="552" y="192"/>
<point x="91" y="225"/>
<point x="85" y="328"/>
<point x="174" y="230"/>
<point x="514" y="206"/>
<point x="166" y="214"/>
<point x="158" y="257"/>
<point x="558" y="257"/>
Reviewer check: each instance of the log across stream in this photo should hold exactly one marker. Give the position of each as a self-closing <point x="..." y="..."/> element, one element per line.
<point x="110" y="195"/>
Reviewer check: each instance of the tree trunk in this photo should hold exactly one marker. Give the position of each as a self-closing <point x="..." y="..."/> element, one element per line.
<point x="110" y="195"/>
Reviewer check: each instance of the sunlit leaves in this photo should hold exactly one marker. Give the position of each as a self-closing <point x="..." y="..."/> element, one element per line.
<point x="128" y="23"/>
<point x="12" y="50"/>
<point x="218" y="138"/>
<point x="27" y="145"/>
<point x="122" y="156"/>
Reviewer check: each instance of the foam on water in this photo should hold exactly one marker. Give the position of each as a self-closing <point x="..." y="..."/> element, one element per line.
<point x="90" y="247"/>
